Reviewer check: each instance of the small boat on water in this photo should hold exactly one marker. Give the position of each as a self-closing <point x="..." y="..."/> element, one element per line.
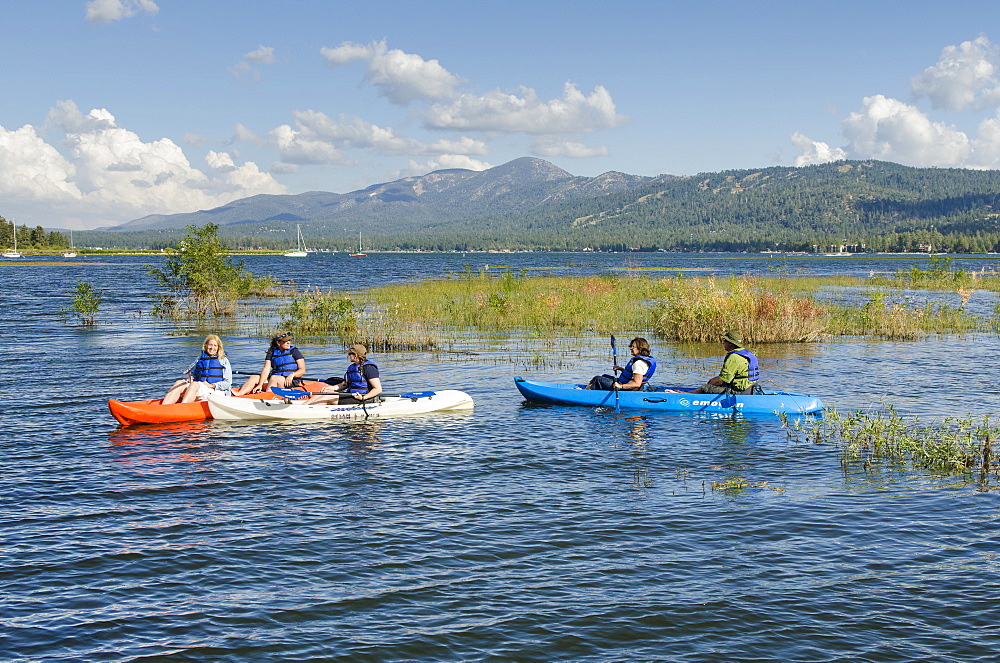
<point x="71" y="253"/>
<point x="360" y="253"/>
<point x="14" y="253"/>
<point x="769" y="402"/>
<point x="301" y="251"/>
<point x="153" y="411"/>
<point x="228" y="408"/>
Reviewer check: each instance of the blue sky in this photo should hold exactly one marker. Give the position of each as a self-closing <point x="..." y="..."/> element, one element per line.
<point x="114" y="109"/>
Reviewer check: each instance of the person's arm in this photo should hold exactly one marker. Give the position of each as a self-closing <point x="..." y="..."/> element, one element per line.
<point x="375" y="388"/>
<point x="300" y="368"/>
<point x="639" y="368"/>
<point x="227" y="376"/>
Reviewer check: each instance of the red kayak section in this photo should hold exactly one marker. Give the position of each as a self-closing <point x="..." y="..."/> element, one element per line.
<point x="155" y="412"/>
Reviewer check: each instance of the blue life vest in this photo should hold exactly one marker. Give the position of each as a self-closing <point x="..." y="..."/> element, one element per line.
<point x="626" y="375"/>
<point x="355" y="379"/>
<point x="753" y="370"/>
<point x="208" y="368"/>
<point x="282" y="362"/>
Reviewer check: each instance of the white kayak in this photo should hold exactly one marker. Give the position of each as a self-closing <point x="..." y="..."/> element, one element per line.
<point x="231" y="408"/>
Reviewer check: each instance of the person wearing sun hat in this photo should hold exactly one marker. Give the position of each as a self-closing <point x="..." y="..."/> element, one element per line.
<point x="284" y="366"/>
<point x="740" y="369"/>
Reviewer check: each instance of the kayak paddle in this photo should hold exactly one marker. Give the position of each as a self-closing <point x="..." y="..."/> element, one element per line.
<point x="614" y="358"/>
<point x="299" y="393"/>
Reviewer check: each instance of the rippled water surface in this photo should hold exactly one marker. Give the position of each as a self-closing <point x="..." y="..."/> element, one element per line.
<point x="512" y="532"/>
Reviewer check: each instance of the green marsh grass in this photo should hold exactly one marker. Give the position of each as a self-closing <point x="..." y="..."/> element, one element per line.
<point x="882" y="317"/>
<point x="422" y="315"/>
<point x="884" y="439"/>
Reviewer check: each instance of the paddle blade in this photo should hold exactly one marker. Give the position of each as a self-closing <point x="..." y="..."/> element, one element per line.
<point x="290" y="393"/>
<point x="418" y="394"/>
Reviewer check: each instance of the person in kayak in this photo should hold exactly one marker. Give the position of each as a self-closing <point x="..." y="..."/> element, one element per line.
<point x="211" y="372"/>
<point x="361" y="381"/>
<point x="635" y="374"/>
<point x="740" y="369"/>
<point x="284" y="366"/>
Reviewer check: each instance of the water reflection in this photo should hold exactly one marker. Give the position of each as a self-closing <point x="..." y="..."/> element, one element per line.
<point x="365" y="437"/>
<point x="638" y="430"/>
<point x="156" y="444"/>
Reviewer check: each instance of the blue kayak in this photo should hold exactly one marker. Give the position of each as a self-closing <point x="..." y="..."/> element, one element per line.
<point x="769" y="402"/>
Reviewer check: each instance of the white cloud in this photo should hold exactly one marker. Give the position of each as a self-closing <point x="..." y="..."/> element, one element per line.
<point x="443" y="162"/>
<point x="108" y="174"/>
<point x="891" y="130"/>
<point x="108" y="11"/>
<point x="964" y="76"/>
<point x="246" y="66"/>
<point x="554" y="148"/>
<point x="401" y="77"/>
<point x="815" y="152"/>
<point x="525" y="112"/>
<point x="317" y="138"/>
<point x="964" y="80"/>
<point x="32" y="169"/>
<point x="262" y="55"/>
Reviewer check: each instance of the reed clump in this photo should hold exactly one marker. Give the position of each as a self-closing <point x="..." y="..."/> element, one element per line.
<point x="866" y="439"/>
<point x="764" y="312"/>
<point x="883" y="317"/>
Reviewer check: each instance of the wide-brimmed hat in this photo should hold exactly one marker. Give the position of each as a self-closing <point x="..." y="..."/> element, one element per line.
<point x="734" y="338"/>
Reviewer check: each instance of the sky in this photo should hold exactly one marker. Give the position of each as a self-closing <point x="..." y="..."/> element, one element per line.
<point x="114" y="109"/>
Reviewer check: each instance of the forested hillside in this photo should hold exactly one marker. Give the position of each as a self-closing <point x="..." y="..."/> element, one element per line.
<point x="530" y="204"/>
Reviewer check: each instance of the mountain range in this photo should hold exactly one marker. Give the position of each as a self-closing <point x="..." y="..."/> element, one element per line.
<point x="410" y="203"/>
<point x="530" y="203"/>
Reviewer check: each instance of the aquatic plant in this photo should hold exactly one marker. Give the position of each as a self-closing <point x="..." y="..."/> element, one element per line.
<point x="86" y="301"/>
<point x="953" y="445"/>
<point x="884" y="317"/>
<point x="322" y="314"/>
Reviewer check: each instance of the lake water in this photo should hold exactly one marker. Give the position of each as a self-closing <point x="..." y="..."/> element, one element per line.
<point x="512" y="532"/>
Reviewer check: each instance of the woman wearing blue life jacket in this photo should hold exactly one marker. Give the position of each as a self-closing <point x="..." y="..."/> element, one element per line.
<point x="634" y="375"/>
<point x="211" y="372"/>
<point x="284" y="366"/>
<point x="361" y="381"/>
<point x="740" y="369"/>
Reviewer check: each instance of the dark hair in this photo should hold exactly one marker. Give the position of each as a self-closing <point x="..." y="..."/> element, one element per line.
<point x="641" y="344"/>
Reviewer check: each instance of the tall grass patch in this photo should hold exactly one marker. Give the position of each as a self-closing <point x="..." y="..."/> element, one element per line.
<point x="883" y="317"/>
<point x="762" y="311"/>
<point x="510" y="302"/>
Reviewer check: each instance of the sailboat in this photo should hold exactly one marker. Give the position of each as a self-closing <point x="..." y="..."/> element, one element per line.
<point x="14" y="253"/>
<point x="359" y="254"/>
<point x="301" y="251"/>
<point x="71" y="253"/>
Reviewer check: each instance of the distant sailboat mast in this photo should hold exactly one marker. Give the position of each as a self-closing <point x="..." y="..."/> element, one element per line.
<point x="360" y="253"/>
<point x="301" y="251"/>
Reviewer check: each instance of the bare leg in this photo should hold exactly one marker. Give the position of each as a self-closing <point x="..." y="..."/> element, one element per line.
<point x="174" y="393"/>
<point x="191" y="393"/>
<point x="248" y="387"/>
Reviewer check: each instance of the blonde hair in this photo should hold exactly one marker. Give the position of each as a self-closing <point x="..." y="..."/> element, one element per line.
<point x="213" y="337"/>
<point x="360" y="351"/>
